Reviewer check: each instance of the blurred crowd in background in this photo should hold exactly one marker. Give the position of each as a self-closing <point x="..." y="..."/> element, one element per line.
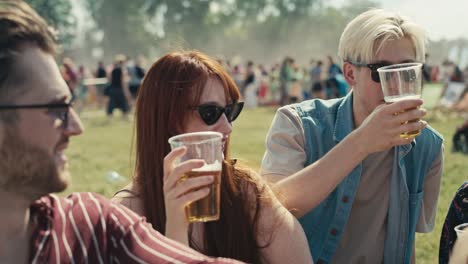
<point x="115" y="86"/>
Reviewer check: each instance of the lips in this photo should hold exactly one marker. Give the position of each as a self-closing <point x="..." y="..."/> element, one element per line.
<point x="60" y="157"/>
<point x="62" y="145"/>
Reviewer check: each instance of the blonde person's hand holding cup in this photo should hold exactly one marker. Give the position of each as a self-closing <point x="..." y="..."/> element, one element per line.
<point x="382" y="129"/>
<point x="402" y="82"/>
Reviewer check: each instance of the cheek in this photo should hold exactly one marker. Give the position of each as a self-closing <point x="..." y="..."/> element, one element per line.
<point x="194" y="124"/>
<point x="45" y="135"/>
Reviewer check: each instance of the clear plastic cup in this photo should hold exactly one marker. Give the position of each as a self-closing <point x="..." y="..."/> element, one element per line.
<point x="399" y="82"/>
<point x="207" y="146"/>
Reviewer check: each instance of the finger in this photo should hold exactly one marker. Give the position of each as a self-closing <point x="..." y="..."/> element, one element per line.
<point x="402" y="105"/>
<point x="179" y="171"/>
<point x="193" y="196"/>
<point x="412" y="126"/>
<point x="402" y="141"/>
<point x="413" y="114"/>
<point x="168" y="162"/>
<point x="191" y="185"/>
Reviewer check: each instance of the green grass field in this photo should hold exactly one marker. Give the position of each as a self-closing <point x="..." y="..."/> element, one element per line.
<point x="105" y="146"/>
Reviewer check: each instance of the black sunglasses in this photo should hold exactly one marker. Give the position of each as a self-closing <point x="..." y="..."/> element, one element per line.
<point x="408" y="76"/>
<point x="57" y="110"/>
<point x="210" y="113"/>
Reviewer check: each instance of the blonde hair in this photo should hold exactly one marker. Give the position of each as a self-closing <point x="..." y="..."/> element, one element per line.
<point x="365" y="35"/>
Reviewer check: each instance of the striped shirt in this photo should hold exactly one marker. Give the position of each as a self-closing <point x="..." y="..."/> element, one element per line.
<point x="87" y="228"/>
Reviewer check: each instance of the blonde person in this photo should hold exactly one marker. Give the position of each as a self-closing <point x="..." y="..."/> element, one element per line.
<point x="360" y="190"/>
<point x="188" y="92"/>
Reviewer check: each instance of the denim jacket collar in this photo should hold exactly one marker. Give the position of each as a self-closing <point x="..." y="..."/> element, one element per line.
<point x="344" y="123"/>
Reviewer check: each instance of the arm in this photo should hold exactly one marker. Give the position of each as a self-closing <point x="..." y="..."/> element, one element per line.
<point x="129" y="199"/>
<point x="132" y="240"/>
<point x="380" y="131"/>
<point x="460" y="254"/>
<point x="285" y="146"/>
<point x="321" y="177"/>
<point x="281" y="232"/>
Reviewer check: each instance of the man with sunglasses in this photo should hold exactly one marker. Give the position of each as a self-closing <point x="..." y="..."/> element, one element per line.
<point x="36" y="123"/>
<point x="360" y="190"/>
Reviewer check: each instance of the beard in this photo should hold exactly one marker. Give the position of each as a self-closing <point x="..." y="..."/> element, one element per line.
<point x="28" y="170"/>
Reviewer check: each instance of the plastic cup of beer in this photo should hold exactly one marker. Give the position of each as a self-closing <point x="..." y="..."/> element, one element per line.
<point x="208" y="147"/>
<point x="461" y="229"/>
<point x="400" y="82"/>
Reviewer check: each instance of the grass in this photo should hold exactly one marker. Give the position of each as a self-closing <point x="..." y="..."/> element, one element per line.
<point x="105" y="146"/>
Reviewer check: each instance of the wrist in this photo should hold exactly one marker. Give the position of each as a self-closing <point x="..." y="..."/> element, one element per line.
<point x="179" y="234"/>
<point x="360" y="143"/>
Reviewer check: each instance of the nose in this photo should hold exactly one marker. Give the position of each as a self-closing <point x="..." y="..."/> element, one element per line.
<point x="223" y="126"/>
<point x="74" y="126"/>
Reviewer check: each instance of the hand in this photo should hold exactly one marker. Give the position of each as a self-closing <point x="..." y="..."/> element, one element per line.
<point x="179" y="192"/>
<point x="382" y="128"/>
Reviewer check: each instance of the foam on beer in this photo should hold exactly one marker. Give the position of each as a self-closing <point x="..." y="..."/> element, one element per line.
<point x="397" y="98"/>
<point x="215" y="166"/>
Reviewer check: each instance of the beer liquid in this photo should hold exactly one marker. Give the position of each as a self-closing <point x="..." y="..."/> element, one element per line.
<point x="207" y="208"/>
<point x="396" y="98"/>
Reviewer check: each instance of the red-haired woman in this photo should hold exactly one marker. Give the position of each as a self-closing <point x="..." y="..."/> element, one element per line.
<point x="189" y="92"/>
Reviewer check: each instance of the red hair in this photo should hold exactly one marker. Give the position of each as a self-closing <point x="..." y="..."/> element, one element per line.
<point x="172" y="85"/>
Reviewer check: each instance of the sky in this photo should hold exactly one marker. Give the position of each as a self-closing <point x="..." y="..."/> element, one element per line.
<point x="441" y="18"/>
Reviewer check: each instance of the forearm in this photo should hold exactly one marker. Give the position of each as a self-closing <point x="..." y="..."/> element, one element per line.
<point x="319" y="179"/>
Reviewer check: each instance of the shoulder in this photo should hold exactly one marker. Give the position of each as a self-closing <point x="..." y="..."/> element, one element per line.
<point x="79" y="207"/>
<point x="317" y="107"/>
<point x="259" y="193"/>
<point x="430" y="139"/>
<point x="272" y="215"/>
<point x="130" y="198"/>
<point x="432" y="133"/>
<point x="88" y="201"/>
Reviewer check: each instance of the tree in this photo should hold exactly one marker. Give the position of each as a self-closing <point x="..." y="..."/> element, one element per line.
<point x="265" y="30"/>
<point x="58" y="14"/>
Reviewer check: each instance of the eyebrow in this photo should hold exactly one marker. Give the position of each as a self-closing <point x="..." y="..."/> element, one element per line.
<point x="211" y="103"/>
<point x="388" y="62"/>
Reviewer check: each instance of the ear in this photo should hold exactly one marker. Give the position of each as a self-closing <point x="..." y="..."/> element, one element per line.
<point x="2" y="132"/>
<point x="349" y="72"/>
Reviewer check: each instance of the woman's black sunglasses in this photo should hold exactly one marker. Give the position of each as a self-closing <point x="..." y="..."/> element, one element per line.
<point x="210" y="113"/>
<point x="408" y="75"/>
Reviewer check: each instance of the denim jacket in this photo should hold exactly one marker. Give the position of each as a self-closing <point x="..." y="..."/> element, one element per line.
<point x="325" y="124"/>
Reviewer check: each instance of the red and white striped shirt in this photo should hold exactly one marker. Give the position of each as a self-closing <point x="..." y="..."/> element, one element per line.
<point x="87" y="228"/>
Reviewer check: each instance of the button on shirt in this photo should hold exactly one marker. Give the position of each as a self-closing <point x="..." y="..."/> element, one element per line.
<point x="368" y="215"/>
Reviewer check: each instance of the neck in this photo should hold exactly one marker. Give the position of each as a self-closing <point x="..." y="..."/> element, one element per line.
<point x="359" y="113"/>
<point x="14" y="212"/>
<point x="14" y="224"/>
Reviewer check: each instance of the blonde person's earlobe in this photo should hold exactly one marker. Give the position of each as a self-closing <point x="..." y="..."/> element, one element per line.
<point x="349" y="72"/>
<point x="2" y="132"/>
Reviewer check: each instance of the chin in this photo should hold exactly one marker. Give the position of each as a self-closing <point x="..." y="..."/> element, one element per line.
<point x="62" y="181"/>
